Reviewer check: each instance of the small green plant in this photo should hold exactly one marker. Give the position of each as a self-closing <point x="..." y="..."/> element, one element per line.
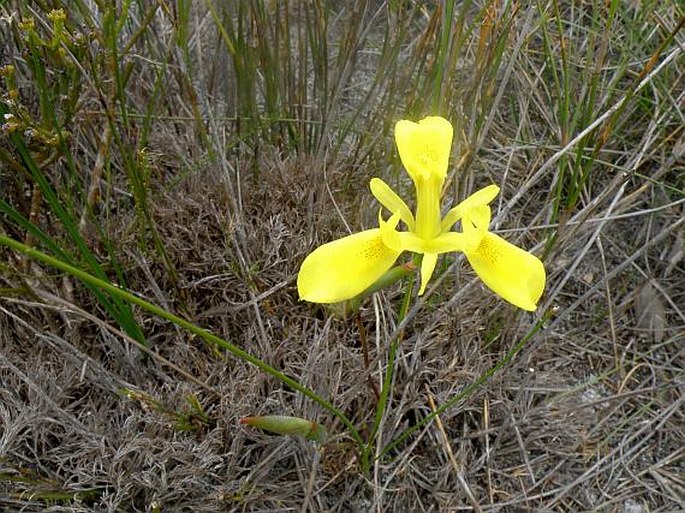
<point x="191" y="418"/>
<point x="39" y="139"/>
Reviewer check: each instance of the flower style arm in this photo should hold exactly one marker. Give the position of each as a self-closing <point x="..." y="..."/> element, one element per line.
<point x="481" y="197"/>
<point x="391" y="200"/>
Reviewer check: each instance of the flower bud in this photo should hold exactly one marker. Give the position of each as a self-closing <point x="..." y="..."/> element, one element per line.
<point x="286" y="425"/>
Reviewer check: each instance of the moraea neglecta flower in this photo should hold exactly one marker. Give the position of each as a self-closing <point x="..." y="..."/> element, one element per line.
<point x="344" y="268"/>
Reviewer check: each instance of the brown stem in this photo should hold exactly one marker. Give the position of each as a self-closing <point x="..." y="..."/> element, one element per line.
<point x="365" y="352"/>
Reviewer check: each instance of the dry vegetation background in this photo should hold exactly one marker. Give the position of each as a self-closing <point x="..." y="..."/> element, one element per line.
<point x="195" y="152"/>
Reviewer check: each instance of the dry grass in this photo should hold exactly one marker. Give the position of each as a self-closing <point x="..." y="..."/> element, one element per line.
<point x="215" y="173"/>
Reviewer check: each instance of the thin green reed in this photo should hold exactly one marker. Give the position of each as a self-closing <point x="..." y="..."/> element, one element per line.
<point x="442" y="53"/>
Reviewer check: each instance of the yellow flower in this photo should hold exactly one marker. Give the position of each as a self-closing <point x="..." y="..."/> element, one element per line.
<point x="344" y="268"/>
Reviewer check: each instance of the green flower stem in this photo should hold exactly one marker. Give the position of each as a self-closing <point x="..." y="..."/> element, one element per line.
<point x="192" y="328"/>
<point x="389" y="278"/>
<point x="468" y="390"/>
